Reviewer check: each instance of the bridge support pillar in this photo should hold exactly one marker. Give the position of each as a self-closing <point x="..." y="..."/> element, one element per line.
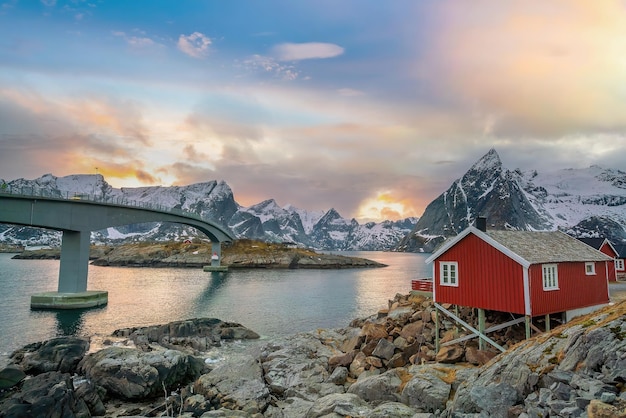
<point x="216" y="257"/>
<point x="74" y="262"/>
<point x="72" y="290"/>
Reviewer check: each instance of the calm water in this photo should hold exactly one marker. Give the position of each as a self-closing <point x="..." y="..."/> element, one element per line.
<point x="270" y="302"/>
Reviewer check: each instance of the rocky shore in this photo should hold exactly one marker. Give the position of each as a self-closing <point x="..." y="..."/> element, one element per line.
<point x="239" y="254"/>
<point x="381" y="366"/>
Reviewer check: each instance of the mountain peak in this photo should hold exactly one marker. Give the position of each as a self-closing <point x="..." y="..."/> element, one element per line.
<point x="489" y="161"/>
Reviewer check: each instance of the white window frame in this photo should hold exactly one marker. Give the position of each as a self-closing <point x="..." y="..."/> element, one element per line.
<point x="445" y="270"/>
<point x="590" y="268"/>
<point x="619" y="264"/>
<point x="550" y="276"/>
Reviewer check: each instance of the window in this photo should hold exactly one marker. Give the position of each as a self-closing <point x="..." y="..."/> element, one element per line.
<point x="619" y="264"/>
<point x="550" y="277"/>
<point x="590" y="269"/>
<point x="449" y="273"/>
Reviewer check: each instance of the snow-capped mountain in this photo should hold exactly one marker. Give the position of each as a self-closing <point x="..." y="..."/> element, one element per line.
<point x="582" y="202"/>
<point x="212" y="200"/>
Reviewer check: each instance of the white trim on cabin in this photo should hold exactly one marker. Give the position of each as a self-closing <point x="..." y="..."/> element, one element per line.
<point x="483" y="236"/>
<point x="527" y="307"/>
<point x="449" y="273"/>
<point x="550" y="276"/>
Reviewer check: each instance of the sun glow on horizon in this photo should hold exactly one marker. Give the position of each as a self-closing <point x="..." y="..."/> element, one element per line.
<point x="385" y="206"/>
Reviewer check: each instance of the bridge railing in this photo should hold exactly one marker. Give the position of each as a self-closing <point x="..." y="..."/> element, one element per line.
<point x="31" y="191"/>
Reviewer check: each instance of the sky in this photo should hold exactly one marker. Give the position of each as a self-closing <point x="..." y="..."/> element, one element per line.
<point x="369" y="107"/>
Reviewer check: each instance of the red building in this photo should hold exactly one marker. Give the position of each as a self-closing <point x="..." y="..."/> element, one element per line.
<point x="604" y="245"/>
<point x="620" y="270"/>
<point x="529" y="273"/>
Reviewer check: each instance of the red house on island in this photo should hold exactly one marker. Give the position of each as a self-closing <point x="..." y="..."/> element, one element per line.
<point x="530" y="273"/>
<point x="604" y="246"/>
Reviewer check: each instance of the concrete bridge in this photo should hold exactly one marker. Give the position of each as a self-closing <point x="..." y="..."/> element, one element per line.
<point x="76" y="216"/>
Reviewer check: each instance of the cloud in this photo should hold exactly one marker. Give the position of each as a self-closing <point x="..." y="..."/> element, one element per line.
<point x="346" y="92"/>
<point x="135" y="41"/>
<point x="195" y="45"/>
<point x="531" y="67"/>
<point x="269" y="65"/>
<point x="304" y="51"/>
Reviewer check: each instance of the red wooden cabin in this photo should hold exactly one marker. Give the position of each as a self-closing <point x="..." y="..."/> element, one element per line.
<point x="604" y="246"/>
<point x="620" y="261"/>
<point x="523" y="272"/>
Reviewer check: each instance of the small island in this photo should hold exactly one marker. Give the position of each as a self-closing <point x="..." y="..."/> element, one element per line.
<point x="243" y="253"/>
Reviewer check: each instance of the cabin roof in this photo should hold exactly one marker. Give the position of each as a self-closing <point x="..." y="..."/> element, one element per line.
<point x="593" y="242"/>
<point x="547" y="246"/>
<point x="620" y="249"/>
<point x="530" y="247"/>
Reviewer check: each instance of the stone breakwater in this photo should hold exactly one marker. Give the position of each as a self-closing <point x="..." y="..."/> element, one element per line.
<point x="381" y="366"/>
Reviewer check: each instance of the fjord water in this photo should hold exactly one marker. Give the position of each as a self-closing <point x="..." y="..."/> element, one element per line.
<point x="270" y="302"/>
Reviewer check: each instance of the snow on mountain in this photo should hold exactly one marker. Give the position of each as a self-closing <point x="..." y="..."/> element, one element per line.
<point x="213" y="200"/>
<point x="569" y="196"/>
<point x="581" y="202"/>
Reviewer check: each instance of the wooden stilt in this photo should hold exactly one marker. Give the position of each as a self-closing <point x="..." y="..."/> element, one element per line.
<point x="456" y="327"/>
<point x="547" y="322"/>
<point x="528" y="318"/>
<point x="436" y="330"/>
<point x="481" y="328"/>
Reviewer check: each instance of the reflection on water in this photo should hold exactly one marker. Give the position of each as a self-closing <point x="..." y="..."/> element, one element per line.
<point x="218" y="279"/>
<point x="270" y="302"/>
<point x="71" y="321"/>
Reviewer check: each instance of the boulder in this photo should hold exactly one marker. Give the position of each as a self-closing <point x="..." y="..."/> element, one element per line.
<point x="380" y="388"/>
<point x="478" y="357"/>
<point x="297" y="365"/>
<point x="428" y="388"/>
<point x="10" y="376"/>
<point x="392" y="409"/>
<point x="48" y="394"/>
<point x="373" y="331"/>
<point x="131" y="374"/>
<point x="236" y="384"/>
<point x="384" y="349"/>
<point x="340" y="405"/>
<point x="450" y="354"/>
<point x="58" y="354"/>
<point x="196" y="335"/>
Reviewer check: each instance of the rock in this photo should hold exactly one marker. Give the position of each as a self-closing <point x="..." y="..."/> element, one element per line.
<point x="236" y="384"/>
<point x="373" y="331"/>
<point x="380" y="388"/>
<point x="58" y="354"/>
<point x="131" y="374"/>
<point x="358" y="364"/>
<point x="450" y="354"/>
<point x="384" y="349"/>
<point x="478" y="357"/>
<point x="196" y="335"/>
<point x="290" y="407"/>
<point x="343" y="359"/>
<point x="599" y="409"/>
<point x="392" y="409"/>
<point x="412" y="329"/>
<point x="297" y="366"/>
<point x="338" y="376"/>
<point x="48" y="394"/>
<point x="88" y="392"/>
<point x="426" y="390"/>
<point x="10" y="376"/>
<point x="338" y="404"/>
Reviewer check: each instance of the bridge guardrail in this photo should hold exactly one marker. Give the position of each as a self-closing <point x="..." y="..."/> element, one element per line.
<point x="31" y="191"/>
